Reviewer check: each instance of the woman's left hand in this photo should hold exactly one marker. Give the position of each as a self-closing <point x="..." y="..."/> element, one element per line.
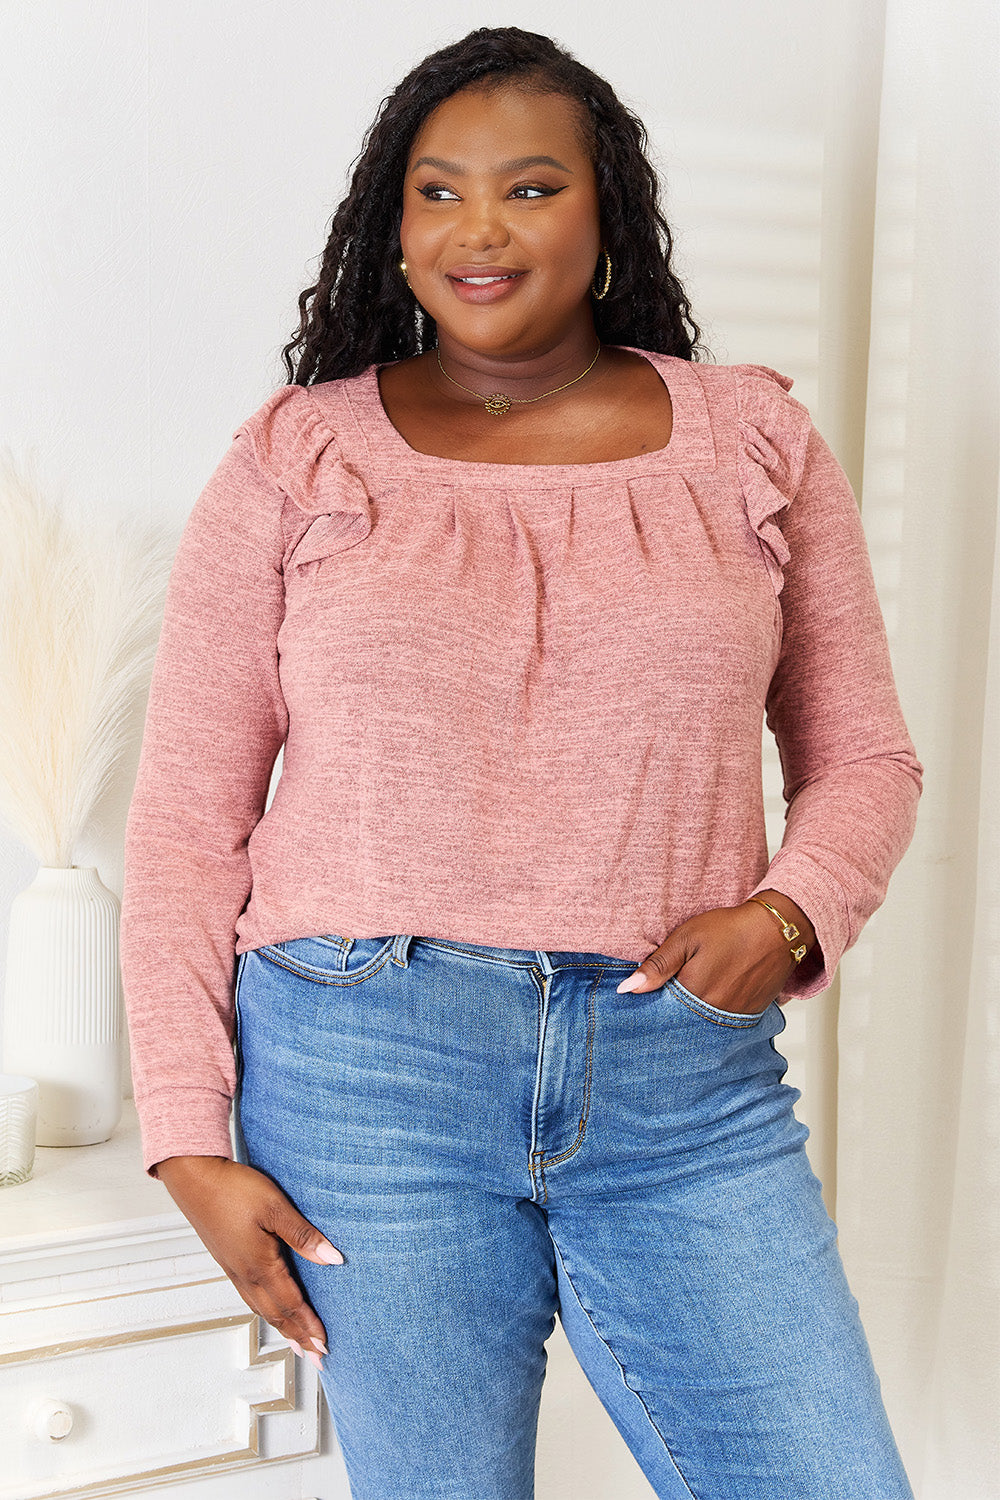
<point x="733" y="957"/>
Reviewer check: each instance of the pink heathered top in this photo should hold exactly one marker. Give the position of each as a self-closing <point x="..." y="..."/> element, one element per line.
<point x="521" y="705"/>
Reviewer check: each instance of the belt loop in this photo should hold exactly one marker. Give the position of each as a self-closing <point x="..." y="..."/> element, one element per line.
<point x="545" y="961"/>
<point x="400" y="949"/>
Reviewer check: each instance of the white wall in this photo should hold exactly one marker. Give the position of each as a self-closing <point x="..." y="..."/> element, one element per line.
<point x="168" y="178"/>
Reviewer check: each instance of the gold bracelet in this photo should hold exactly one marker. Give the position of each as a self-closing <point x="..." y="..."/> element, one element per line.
<point x="788" y="928"/>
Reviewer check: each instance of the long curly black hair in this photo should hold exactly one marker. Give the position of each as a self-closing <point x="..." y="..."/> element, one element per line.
<point x="361" y="312"/>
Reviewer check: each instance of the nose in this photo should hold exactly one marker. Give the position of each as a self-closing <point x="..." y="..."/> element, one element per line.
<point x="482" y="225"/>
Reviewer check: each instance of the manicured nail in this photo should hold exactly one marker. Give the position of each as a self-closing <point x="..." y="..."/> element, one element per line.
<point x="328" y="1255"/>
<point x="318" y="1344"/>
<point x="633" y="982"/>
<point x="315" y="1359"/>
<point x="297" y="1348"/>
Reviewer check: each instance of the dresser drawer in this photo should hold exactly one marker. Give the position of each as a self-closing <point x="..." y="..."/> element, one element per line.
<point x="156" y="1383"/>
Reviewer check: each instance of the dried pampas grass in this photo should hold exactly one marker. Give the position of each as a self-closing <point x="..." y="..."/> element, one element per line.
<point x="81" y="601"/>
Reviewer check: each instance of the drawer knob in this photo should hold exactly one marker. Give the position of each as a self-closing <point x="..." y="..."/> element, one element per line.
<point x="52" y="1420"/>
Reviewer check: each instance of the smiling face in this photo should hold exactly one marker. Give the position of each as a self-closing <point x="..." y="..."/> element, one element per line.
<point x="499" y="184"/>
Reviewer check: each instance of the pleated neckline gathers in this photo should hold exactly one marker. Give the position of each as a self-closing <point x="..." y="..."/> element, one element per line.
<point x="691" y="442"/>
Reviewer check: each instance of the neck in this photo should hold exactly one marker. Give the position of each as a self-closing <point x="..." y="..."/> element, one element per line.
<point x="521" y="375"/>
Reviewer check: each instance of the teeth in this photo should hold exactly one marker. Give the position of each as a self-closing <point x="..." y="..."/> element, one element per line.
<point x="484" y="280"/>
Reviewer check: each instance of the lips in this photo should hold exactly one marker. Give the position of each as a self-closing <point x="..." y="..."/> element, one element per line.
<point x="484" y="284"/>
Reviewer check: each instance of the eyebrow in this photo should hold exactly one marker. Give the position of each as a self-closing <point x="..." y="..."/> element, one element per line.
<point x="518" y="164"/>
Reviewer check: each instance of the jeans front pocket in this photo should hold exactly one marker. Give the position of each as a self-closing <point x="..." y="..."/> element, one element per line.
<point x="736" y="1020"/>
<point x="331" y="959"/>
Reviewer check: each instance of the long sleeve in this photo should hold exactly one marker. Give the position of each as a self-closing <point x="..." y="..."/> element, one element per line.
<point x="851" y="778"/>
<point x="215" y="721"/>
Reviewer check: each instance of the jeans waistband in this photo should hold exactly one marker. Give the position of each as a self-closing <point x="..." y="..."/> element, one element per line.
<point x="517" y="957"/>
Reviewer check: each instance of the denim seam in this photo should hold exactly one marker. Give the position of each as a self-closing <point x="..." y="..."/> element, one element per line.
<point x="572" y="1149"/>
<point x="717" y="1020"/>
<point x="621" y="1369"/>
<point x="240" y="1149"/>
<point x="319" y="976"/>
<point x="512" y="963"/>
<point x="535" y="1156"/>
<point x="538" y="1173"/>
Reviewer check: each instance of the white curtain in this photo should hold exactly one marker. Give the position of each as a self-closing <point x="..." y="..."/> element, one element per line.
<point x="917" y="1137"/>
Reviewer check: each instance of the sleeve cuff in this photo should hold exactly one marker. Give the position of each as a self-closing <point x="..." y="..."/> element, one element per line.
<point x="184" y="1122"/>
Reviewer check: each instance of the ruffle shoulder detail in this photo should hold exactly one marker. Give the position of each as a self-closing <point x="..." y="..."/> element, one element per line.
<point x="773" y="431"/>
<point x="298" y="449"/>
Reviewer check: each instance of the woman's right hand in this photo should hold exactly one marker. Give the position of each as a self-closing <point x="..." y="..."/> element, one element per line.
<point x="241" y="1217"/>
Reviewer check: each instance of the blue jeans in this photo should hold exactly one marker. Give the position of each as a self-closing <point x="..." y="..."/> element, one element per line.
<point x="494" y="1135"/>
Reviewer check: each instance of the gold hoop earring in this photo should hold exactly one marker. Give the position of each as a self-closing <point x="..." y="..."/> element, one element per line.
<point x="599" y="296"/>
<point x="402" y="267"/>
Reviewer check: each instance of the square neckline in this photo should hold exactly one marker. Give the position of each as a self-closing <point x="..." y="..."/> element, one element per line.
<point x="388" y="437"/>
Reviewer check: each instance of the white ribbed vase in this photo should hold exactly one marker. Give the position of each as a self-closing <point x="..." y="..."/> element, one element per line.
<point x="62" y="1003"/>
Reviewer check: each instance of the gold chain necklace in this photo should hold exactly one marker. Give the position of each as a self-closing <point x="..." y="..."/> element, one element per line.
<point x="498" y="404"/>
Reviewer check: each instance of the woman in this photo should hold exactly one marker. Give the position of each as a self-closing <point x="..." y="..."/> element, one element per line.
<point x="513" y="581"/>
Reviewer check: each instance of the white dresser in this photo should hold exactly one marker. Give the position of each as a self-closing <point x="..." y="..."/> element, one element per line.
<point x="128" y="1363"/>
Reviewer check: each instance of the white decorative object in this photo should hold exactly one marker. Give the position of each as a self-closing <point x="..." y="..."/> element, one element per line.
<point x="62" y="1003"/>
<point x="81" y="601"/>
<point x="18" y="1107"/>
